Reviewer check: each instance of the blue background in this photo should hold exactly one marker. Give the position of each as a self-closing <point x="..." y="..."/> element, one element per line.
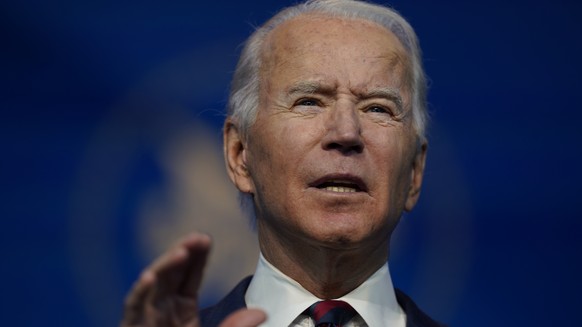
<point x="503" y="170"/>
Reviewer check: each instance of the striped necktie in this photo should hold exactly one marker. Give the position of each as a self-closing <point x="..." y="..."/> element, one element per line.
<point x="331" y="313"/>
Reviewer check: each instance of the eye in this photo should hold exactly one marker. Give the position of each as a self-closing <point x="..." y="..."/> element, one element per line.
<point x="307" y="102"/>
<point x="378" y="109"/>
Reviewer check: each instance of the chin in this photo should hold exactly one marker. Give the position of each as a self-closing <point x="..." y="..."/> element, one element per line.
<point x="342" y="241"/>
<point x="339" y="236"/>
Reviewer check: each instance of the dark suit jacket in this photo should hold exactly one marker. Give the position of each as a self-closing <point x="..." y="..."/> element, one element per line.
<point x="212" y="316"/>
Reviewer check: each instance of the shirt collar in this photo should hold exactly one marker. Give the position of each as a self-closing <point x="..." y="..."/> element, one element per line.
<point x="283" y="299"/>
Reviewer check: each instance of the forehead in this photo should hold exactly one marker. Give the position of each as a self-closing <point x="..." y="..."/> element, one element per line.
<point x="322" y="26"/>
<point x="319" y="44"/>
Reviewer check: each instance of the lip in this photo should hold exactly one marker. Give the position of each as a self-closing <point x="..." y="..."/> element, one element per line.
<point x="341" y="178"/>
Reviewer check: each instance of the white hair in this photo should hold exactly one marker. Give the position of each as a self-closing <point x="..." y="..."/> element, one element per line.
<point x="244" y="97"/>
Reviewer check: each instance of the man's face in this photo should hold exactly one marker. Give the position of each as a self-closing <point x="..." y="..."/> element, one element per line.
<point x="332" y="157"/>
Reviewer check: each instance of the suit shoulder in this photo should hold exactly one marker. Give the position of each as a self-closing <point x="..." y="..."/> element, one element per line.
<point x="415" y="317"/>
<point x="234" y="300"/>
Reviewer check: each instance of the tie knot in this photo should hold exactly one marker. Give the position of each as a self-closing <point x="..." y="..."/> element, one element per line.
<point x="332" y="313"/>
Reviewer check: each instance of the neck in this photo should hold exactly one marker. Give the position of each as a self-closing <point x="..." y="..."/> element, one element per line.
<point x="325" y="270"/>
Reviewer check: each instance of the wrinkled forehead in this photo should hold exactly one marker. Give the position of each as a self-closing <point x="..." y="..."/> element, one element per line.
<point x="321" y="26"/>
<point x="315" y="40"/>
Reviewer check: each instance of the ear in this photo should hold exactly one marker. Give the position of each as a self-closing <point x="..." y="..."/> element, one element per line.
<point x="235" y="157"/>
<point x="416" y="177"/>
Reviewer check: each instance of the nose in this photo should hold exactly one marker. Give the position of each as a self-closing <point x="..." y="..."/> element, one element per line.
<point x="343" y="130"/>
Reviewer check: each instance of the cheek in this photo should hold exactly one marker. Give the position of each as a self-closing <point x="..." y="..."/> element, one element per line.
<point x="403" y="179"/>
<point x="296" y="138"/>
<point x="269" y="155"/>
<point x="393" y="166"/>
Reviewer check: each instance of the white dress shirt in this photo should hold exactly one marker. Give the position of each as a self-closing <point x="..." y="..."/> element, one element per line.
<point x="284" y="300"/>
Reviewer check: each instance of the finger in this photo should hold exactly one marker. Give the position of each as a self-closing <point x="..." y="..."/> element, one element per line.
<point x="179" y="271"/>
<point x="135" y="300"/>
<point x="158" y="295"/>
<point x="198" y="250"/>
<point x="140" y="303"/>
<point x="245" y="318"/>
<point x="178" y="252"/>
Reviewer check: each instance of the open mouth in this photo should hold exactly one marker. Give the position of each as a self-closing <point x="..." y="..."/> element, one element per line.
<point x="340" y="185"/>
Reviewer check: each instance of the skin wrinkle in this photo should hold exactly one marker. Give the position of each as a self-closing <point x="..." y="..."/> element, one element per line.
<point x="398" y="65"/>
<point x="288" y="151"/>
<point x="369" y="97"/>
<point x="407" y="52"/>
<point x="313" y="87"/>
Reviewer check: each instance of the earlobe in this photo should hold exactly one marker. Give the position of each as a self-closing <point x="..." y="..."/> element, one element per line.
<point x="416" y="177"/>
<point x="235" y="157"/>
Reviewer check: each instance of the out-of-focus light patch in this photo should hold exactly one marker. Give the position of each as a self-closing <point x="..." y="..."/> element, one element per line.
<point x="152" y="172"/>
<point x="197" y="195"/>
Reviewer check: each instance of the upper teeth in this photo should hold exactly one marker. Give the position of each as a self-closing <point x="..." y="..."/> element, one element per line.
<point x="341" y="189"/>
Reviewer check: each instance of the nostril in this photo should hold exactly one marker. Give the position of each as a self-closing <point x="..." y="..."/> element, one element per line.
<point x="345" y="148"/>
<point x="333" y="146"/>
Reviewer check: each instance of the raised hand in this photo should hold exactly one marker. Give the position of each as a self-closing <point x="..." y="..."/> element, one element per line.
<point x="166" y="292"/>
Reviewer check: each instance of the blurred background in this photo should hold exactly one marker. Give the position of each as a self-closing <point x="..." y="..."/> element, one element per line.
<point x="111" y="149"/>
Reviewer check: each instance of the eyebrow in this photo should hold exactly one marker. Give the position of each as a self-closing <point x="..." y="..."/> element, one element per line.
<point x="311" y="87"/>
<point x="389" y="93"/>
